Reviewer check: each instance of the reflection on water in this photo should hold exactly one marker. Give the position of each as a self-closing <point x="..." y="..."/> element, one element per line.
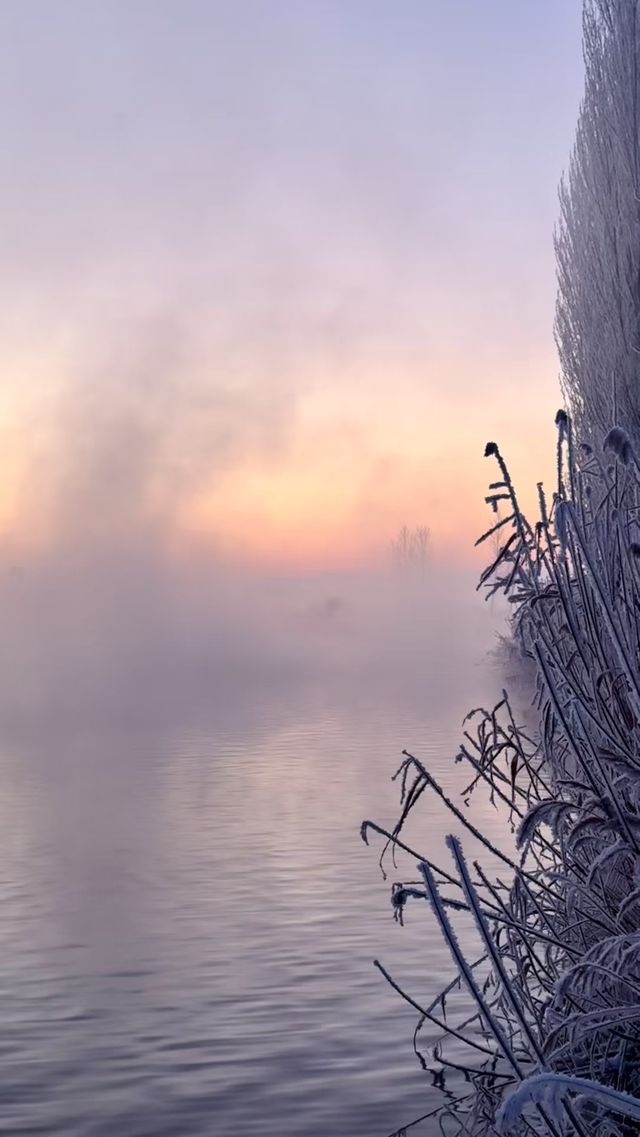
<point x="188" y="916"/>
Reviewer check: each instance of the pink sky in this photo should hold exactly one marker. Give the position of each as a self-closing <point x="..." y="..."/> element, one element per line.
<point x="274" y="274"/>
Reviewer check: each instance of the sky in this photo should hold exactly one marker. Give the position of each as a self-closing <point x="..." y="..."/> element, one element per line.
<point x="274" y="271"/>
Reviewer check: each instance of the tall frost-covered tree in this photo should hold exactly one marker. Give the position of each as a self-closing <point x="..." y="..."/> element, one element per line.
<point x="598" y="236"/>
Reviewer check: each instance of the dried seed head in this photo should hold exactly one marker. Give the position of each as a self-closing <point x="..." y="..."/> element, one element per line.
<point x="617" y="440"/>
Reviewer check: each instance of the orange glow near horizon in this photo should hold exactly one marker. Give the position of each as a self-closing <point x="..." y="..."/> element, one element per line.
<point x="353" y="468"/>
<point x="341" y="493"/>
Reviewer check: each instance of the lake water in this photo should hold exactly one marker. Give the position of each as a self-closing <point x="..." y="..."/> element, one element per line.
<point x="188" y="916"/>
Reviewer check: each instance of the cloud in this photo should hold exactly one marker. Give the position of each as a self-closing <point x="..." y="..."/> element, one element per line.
<point x="145" y="421"/>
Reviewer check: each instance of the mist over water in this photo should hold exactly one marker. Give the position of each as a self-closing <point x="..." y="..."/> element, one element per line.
<point x="187" y="914"/>
<point x="249" y="321"/>
<point x="142" y="629"/>
<point x="188" y="745"/>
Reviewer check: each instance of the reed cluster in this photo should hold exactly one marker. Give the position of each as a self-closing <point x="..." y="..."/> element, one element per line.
<point x="549" y="1038"/>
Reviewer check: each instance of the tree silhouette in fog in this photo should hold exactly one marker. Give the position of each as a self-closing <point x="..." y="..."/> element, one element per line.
<point x="410" y="548"/>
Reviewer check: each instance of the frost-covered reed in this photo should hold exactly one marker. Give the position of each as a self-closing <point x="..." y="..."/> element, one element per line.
<point x="550" y="1037"/>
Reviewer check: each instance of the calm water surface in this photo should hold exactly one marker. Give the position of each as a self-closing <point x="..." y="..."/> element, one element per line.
<point x="188" y="916"/>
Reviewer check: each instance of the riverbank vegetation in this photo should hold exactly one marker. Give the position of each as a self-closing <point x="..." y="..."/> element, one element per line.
<point x="548" y="1040"/>
<point x="556" y="991"/>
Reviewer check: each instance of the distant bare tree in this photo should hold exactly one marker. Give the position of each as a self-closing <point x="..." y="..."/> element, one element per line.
<point x="598" y="236"/>
<point x="410" y="549"/>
